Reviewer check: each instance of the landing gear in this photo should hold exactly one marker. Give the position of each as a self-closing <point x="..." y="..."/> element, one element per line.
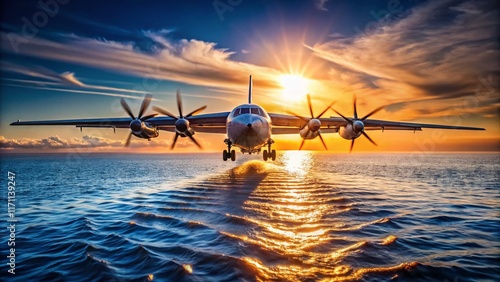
<point x="269" y="154"/>
<point x="228" y="154"/>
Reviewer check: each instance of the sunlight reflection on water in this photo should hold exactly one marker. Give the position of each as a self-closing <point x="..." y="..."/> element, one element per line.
<point x="306" y="217"/>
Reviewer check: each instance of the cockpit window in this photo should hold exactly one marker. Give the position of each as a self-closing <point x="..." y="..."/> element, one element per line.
<point x="252" y="110"/>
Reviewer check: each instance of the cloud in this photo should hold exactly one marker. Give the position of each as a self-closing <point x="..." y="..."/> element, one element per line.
<point x="320" y="5"/>
<point x="93" y="142"/>
<point x="70" y="78"/>
<point x="55" y="142"/>
<point x="188" y="61"/>
<point x="67" y="78"/>
<point x="439" y="51"/>
<point x="64" y="82"/>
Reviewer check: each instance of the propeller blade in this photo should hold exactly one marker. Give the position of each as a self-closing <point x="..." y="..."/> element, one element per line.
<point x="194" y="141"/>
<point x="145" y="104"/>
<point x="323" y="141"/>
<point x="126" y="107"/>
<point x="327" y="108"/>
<point x="368" y="137"/>
<point x="372" y="112"/>
<point x="297" y="116"/>
<point x="175" y="141"/>
<point x="195" y="111"/>
<point x="165" y="112"/>
<point x="302" y="144"/>
<point x="145" y="118"/>
<point x="348" y="120"/>
<point x="179" y="103"/>
<point x="310" y="105"/>
<point x="355" y="110"/>
<point x="127" y="143"/>
<point x="352" y="145"/>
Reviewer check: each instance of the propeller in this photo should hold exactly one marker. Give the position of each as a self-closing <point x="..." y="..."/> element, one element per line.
<point x="136" y="123"/>
<point x="357" y="123"/>
<point x="181" y="122"/>
<point x="313" y="123"/>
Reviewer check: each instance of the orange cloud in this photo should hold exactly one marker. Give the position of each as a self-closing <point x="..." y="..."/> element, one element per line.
<point x="423" y="56"/>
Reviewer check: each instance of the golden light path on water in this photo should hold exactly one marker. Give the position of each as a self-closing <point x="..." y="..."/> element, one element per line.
<point x="304" y="217"/>
<point x="295" y="217"/>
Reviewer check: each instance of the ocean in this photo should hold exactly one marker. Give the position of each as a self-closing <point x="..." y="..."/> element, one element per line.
<point x="306" y="217"/>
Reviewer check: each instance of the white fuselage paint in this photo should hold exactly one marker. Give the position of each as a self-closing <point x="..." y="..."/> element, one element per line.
<point x="248" y="127"/>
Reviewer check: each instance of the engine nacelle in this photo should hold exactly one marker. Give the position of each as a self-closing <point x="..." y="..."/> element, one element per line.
<point x="149" y="130"/>
<point x="143" y="129"/>
<point x="307" y="134"/>
<point x="348" y="132"/>
<point x="311" y="129"/>
<point x="187" y="133"/>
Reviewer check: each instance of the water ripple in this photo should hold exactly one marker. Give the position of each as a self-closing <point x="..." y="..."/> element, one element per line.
<point x="307" y="217"/>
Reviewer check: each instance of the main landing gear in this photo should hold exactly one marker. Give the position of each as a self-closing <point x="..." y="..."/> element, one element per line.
<point x="228" y="154"/>
<point x="269" y="154"/>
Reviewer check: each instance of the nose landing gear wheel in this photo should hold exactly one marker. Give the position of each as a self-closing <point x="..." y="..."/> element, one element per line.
<point x="265" y="155"/>
<point x="228" y="154"/>
<point x="273" y="155"/>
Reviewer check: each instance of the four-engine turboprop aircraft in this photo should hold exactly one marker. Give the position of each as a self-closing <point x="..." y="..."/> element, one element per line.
<point x="248" y="126"/>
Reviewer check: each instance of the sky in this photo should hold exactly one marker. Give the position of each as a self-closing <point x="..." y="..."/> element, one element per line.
<point x="427" y="61"/>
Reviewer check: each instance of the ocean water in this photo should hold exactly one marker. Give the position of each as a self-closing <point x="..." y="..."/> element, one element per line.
<point x="306" y="217"/>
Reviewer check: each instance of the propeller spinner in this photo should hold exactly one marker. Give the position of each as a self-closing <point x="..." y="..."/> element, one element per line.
<point x="136" y="124"/>
<point x="182" y="127"/>
<point x="357" y="123"/>
<point x="313" y="124"/>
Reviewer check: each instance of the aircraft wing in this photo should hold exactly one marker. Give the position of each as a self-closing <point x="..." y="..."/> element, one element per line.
<point x="281" y="120"/>
<point x="392" y="125"/>
<point x="287" y="124"/>
<point x="96" y="122"/>
<point x="163" y="122"/>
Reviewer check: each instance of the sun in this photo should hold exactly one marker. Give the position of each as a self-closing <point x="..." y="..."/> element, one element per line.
<point x="295" y="87"/>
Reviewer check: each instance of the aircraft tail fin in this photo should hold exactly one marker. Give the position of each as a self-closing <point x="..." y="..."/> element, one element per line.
<point x="250" y="90"/>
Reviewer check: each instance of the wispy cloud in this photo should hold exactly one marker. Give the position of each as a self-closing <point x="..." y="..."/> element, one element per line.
<point x="64" y="82"/>
<point x="320" y="5"/>
<point x="439" y="51"/>
<point x="188" y="61"/>
<point x="67" y="78"/>
<point x="67" y="90"/>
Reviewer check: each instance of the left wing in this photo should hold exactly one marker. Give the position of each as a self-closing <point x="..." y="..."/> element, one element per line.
<point x="96" y="122"/>
<point x="215" y="120"/>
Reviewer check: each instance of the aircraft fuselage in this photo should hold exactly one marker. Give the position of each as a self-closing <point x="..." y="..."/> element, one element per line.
<point x="249" y="128"/>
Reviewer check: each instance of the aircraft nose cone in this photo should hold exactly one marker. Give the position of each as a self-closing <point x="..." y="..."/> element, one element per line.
<point x="136" y="125"/>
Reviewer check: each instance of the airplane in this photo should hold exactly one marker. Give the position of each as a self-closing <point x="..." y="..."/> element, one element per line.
<point x="247" y="127"/>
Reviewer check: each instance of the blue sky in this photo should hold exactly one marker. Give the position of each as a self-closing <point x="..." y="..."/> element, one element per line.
<point x="433" y="61"/>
